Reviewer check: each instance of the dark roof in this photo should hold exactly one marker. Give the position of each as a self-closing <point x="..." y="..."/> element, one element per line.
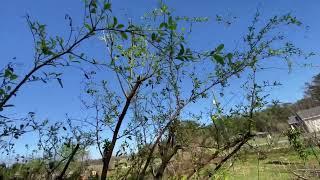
<point x="293" y="120"/>
<point x="304" y="114"/>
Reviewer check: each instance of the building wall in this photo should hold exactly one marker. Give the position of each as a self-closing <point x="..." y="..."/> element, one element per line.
<point x="313" y="125"/>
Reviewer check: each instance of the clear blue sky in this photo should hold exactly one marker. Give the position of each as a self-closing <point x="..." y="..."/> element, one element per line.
<point x="50" y="101"/>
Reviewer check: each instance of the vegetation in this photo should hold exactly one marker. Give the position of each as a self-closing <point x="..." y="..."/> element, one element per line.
<point x="140" y="102"/>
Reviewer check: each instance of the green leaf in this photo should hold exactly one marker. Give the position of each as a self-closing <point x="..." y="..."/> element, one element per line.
<point x="181" y="52"/>
<point x="180" y="58"/>
<point x="7" y="73"/>
<point x="94" y="3"/>
<point x="124" y="35"/>
<point x="170" y="21"/>
<point x="163" y="25"/>
<point x="219" y="48"/>
<point x="120" y="26"/>
<point x="107" y="6"/>
<point x="60" y="82"/>
<point x="13" y="77"/>
<point x="88" y="27"/>
<point x="1" y="92"/>
<point x="46" y="50"/>
<point x="153" y="36"/>
<point x="229" y="56"/>
<point x="171" y="24"/>
<point x="93" y="10"/>
<point x="115" y="21"/>
<point x="219" y="59"/>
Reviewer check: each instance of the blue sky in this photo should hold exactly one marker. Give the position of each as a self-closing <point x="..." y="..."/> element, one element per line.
<point x="51" y="101"/>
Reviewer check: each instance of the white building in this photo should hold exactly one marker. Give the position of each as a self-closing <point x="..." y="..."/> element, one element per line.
<point x="308" y="120"/>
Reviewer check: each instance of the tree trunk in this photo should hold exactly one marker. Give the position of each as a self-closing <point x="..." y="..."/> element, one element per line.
<point x="73" y="153"/>
<point x="246" y="138"/>
<point x="237" y="144"/>
<point x="149" y="158"/>
<point x="107" y="153"/>
<point x="161" y="170"/>
<point x="165" y="161"/>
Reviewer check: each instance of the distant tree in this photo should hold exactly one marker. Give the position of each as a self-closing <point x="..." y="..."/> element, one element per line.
<point x="313" y="89"/>
<point x="273" y="118"/>
<point x="311" y="96"/>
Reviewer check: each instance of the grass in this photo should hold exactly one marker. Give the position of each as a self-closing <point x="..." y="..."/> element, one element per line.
<point x="277" y="165"/>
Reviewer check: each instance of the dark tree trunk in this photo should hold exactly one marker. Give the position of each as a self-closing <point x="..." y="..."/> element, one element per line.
<point x="107" y="153"/>
<point x="160" y="171"/>
<point x="150" y="155"/>
<point x="245" y="139"/>
<point x="165" y="161"/>
<point x="73" y="153"/>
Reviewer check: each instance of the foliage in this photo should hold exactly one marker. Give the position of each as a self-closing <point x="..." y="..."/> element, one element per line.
<point x="296" y="141"/>
<point x="273" y="118"/>
<point x="145" y="102"/>
<point x="313" y="89"/>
